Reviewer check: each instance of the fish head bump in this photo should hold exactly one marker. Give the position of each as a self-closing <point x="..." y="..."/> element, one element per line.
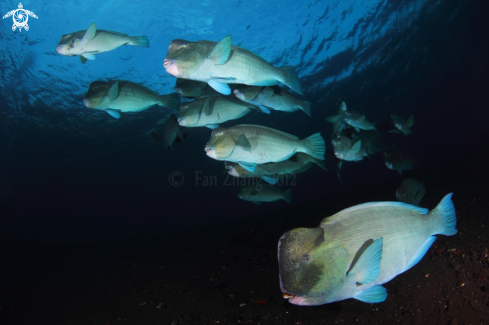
<point x="221" y="144"/>
<point x="184" y="58"/>
<point x="187" y="116"/>
<point x="96" y="94"/>
<point x="311" y="268"/>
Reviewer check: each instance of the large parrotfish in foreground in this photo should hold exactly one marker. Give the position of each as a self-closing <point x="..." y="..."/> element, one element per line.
<point x="221" y="63"/>
<point x="352" y="253"/>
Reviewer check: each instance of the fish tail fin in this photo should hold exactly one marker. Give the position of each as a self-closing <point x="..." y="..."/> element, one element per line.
<point x="306" y="108"/>
<point x="139" y="41"/>
<point x="447" y="210"/>
<point x="315" y="146"/>
<point x="291" y="79"/>
<point x="172" y="101"/>
<point x="287" y="196"/>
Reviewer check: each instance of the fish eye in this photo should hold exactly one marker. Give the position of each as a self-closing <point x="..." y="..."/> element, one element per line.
<point x="307" y="258"/>
<point x="219" y="133"/>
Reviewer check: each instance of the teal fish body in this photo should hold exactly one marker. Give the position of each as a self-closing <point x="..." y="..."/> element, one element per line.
<point x="221" y="63"/>
<point x="264" y="193"/>
<point x="410" y="192"/>
<point x="298" y="163"/>
<point x="348" y="150"/>
<point x="117" y="96"/>
<point x="404" y="126"/>
<point x="249" y="145"/>
<point x="359" y="121"/>
<point x="87" y="43"/>
<point x="210" y="111"/>
<point x="275" y="98"/>
<point x="352" y="253"/>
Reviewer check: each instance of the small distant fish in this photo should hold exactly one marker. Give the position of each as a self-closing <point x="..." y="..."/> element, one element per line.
<point x="94" y="41"/>
<point x="222" y="63"/>
<point x="264" y="193"/>
<point x="250" y="145"/>
<point x="359" y="121"/>
<point x="402" y="125"/>
<point x="193" y="89"/>
<point x="411" y="191"/>
<point x="338" y="120"/>
<point x="352" y="253"/>
<point x="275" y="98"/>
<point x="210" y="111"/>
<point x="398" y="160"/>
<point x="172" y="132"/>
<point x="117" y="96"/>
<point x="371" y="139"/>
<point x="298" y="163"/>
<point x="346" y="149"/>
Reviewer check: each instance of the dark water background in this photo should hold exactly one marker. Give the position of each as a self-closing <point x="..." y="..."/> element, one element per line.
<point x="71" y="181"/>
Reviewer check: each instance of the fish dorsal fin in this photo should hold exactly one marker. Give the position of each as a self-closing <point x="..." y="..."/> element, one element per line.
<point x="366" y="268"/>
<point x="361" y="119"/>
<point x="244" y="143"/>
<point x="113" y="92"/>
<point x="221" y="52"/>
<point x="410" y="121"/>
<point x="90" y="33"/>
<point x="209" y="105"/>
<point x="83" y="59"/>
<point x="290" y="136"/>
<point x="267" y="92"/>
<point x="332" y="219"/>
<point x="356" y="147"/>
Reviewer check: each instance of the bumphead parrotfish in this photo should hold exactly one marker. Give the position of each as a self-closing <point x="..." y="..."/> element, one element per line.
<point x="352" y="253"/>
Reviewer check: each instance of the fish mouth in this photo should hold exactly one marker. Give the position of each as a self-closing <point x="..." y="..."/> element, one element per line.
<point x="288" y="295"/>
<point x="167" y="63"/>
<point x="59" y="49"/>
<point x="85" y="102"/>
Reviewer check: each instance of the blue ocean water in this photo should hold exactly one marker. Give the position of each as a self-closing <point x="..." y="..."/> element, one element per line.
<point x="71" y="173"/>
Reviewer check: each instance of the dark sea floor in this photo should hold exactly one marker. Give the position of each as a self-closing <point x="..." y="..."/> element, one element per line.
<point x="228" y="273"/>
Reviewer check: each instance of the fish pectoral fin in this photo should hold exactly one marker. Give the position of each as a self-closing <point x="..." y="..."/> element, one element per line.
<point x="421" y="252"/>
<point x="90" y="33"/>
<point x="356" y="147"/>
<point x="266" y="82"/>
<point x="209" y="105"/>
<point x="248" y="166"/>
<point x="394" y="131"/>
<point x="361" y="119"/>
<point x="410" y="121"/>
<point x="254" y="193"/>
<point x="221" y="52"/>
<point x="372" y="295"/>
<point x="264" y="109"/>
<point x="83" y="59"/>
<point x="114" y="114"/>
<point x="366" y="268"/>
<point x="87" y="57"/>
<point x="113" y="92"/>
<point x="212" y="126"/>
<point x="244" y="143"/>
<point x="270" y="180"/>
<point x="220" y="87"/>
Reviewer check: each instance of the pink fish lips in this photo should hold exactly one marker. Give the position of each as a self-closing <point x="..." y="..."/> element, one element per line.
<point x="171" y="67"/>
<point x="210" y="152"/>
